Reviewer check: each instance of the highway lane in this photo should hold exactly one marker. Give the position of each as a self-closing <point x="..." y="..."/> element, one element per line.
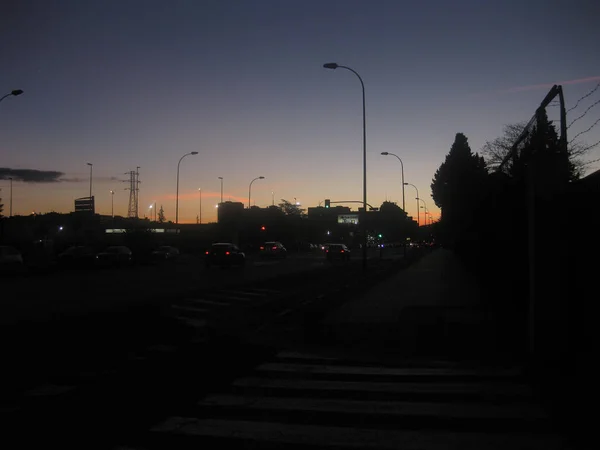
<point x="73" y="292"/>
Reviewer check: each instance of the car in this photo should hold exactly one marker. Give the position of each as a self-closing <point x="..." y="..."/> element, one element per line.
<point x="273" y="249"/>
<point x="165" y="253"/>
<point x="337" y="251"/>
<point x="116" y="255"/>
<point x="10" y="259"/>
<point x="225" y="254"/>
<point x="77" y="256"/>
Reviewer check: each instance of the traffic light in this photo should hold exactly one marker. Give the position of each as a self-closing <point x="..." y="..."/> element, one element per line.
<point x="327" y="203"/>
<point x="380" y="235"/>
<point x="263" y="228"/>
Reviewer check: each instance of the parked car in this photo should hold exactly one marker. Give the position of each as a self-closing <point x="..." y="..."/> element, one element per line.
<point x="337" y="251"/>
<point x="79" y="256"/>
<point x="273" y="249"/>
<point x="225" y="254"/>
<point x="165" y="253"/>
<point x="10" y="259"/>
<point x="116" y="255"/>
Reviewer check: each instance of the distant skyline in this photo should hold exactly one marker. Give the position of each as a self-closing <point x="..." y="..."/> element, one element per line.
<point x="122" y="84"/>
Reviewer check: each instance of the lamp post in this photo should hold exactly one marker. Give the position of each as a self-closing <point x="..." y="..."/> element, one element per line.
<point x="200" y="207"/>
<point x="272" y="198"/>
<point x="250" y="188"/>
<point x="402" y="168"/>
<point x="14" y="93"/>
<point x="112" y="203"/>
<point x="91" y="168"/>
<point x="364" y="226"/>
<point x="409" y="184"/>
<point x="10" y="210"/>
<point x="177" y="192"/>
<point x="221" y="178"/>
<point x="426" y="211"/>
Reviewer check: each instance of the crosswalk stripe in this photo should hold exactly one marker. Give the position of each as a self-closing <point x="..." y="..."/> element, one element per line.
<point x="313" y="369"/>
<point x="350" y="437"/>
<point x="472" y="411"/>
<point x="202" y="301"/>
<point x="409" y="388"/>
<point x="302" y="356"/>
<point x="192" y="322"/>
<point x="189" y="309"/>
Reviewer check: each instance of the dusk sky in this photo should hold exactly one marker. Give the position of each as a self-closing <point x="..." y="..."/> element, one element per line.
<point x="130" y="83"/>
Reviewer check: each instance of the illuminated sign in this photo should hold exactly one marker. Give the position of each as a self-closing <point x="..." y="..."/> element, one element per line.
<point x="348" y="219"/>
<point x="85" y="204"/>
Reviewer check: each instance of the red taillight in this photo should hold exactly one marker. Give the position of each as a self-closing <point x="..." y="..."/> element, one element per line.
<point x="262" y="248"/>
<point x="227" y="253"/>
<point x="341" y="251"/>
<point x="326" y="251"/>
<point x="273" y="248"/>
<point x="208" y="253"/>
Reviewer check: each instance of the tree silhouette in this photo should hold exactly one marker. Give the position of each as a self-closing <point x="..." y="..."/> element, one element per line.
<point x="161" y="215"/>
<point x="495" y="151"/>
<point x="1" y="208"/>
<point x="290" y="209"/>
<point x="459" y="177"/>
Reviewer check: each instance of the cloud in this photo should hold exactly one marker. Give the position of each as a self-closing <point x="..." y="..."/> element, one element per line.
<point x="31" y="175"/>
<point x="533" y="87"/>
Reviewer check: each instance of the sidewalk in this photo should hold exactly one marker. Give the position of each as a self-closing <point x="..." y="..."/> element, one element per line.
<point x="432" y="310"/>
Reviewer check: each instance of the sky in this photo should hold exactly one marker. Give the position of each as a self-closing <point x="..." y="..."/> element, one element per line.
<point x="129" y="83"/>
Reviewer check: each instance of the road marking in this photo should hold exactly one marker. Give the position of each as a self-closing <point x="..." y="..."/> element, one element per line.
<point x="248" y="293"/>
<point x="192" y="322"/>
<point x="409" y="388"/>
<point x="201" y="301"/>
<point x="47" y="390"/>
<point x="189" y="309"/>
<point x="400" y="409"/>
<point x="338" y="437"/>
<point x="303" y="356"/>
<point x="308" y="369"/>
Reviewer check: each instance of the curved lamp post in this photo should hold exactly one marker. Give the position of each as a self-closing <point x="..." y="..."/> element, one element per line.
<point x="364" y="227"/>
<point x="177" y="193"/>
<point x="409" y="184"/>
<point x="250" y="189"/>
<point x="14" y="93"/>
<point x="402" y="167"/>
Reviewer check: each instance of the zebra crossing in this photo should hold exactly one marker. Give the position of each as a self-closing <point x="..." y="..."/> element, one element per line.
<point x="193" y="311"/>
<point x="310" y="401"/>
<point x="197" y="310"/>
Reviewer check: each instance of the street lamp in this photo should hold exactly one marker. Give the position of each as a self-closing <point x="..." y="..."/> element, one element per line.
<point x="402" y="167"/>
<point x="250" y="188"/>
<point x="91" y="168"/>
<point x="14" y="93"/>
<point x="177" y="192"/>
<point x="425" y="208"/>
<point x="200" y="207"/>
<point x="364" y="227"/>
<point x="112" y="203"/>
<point x="409" y="184"/>
<point x="221" y="178"/>
<point x="10" y="211"/>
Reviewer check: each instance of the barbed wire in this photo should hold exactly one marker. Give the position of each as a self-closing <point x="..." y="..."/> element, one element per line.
<point x="589" y="147"/>
<point x="584" y="131"/>
<point x="584" y="97"/>
<point x="586" y="111"/>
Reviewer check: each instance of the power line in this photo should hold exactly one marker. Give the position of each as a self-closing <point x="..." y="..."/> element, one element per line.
<point x="586" y="111"/>
<point x="585" y="131"/>
<point x="584" y="97"/>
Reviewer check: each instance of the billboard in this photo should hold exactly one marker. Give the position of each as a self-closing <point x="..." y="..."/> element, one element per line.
<point x="348" y="219"/>
<point x="85" y="204"/>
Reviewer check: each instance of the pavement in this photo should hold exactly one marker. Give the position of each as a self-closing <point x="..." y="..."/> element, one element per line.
<point x="433" y="309"/>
